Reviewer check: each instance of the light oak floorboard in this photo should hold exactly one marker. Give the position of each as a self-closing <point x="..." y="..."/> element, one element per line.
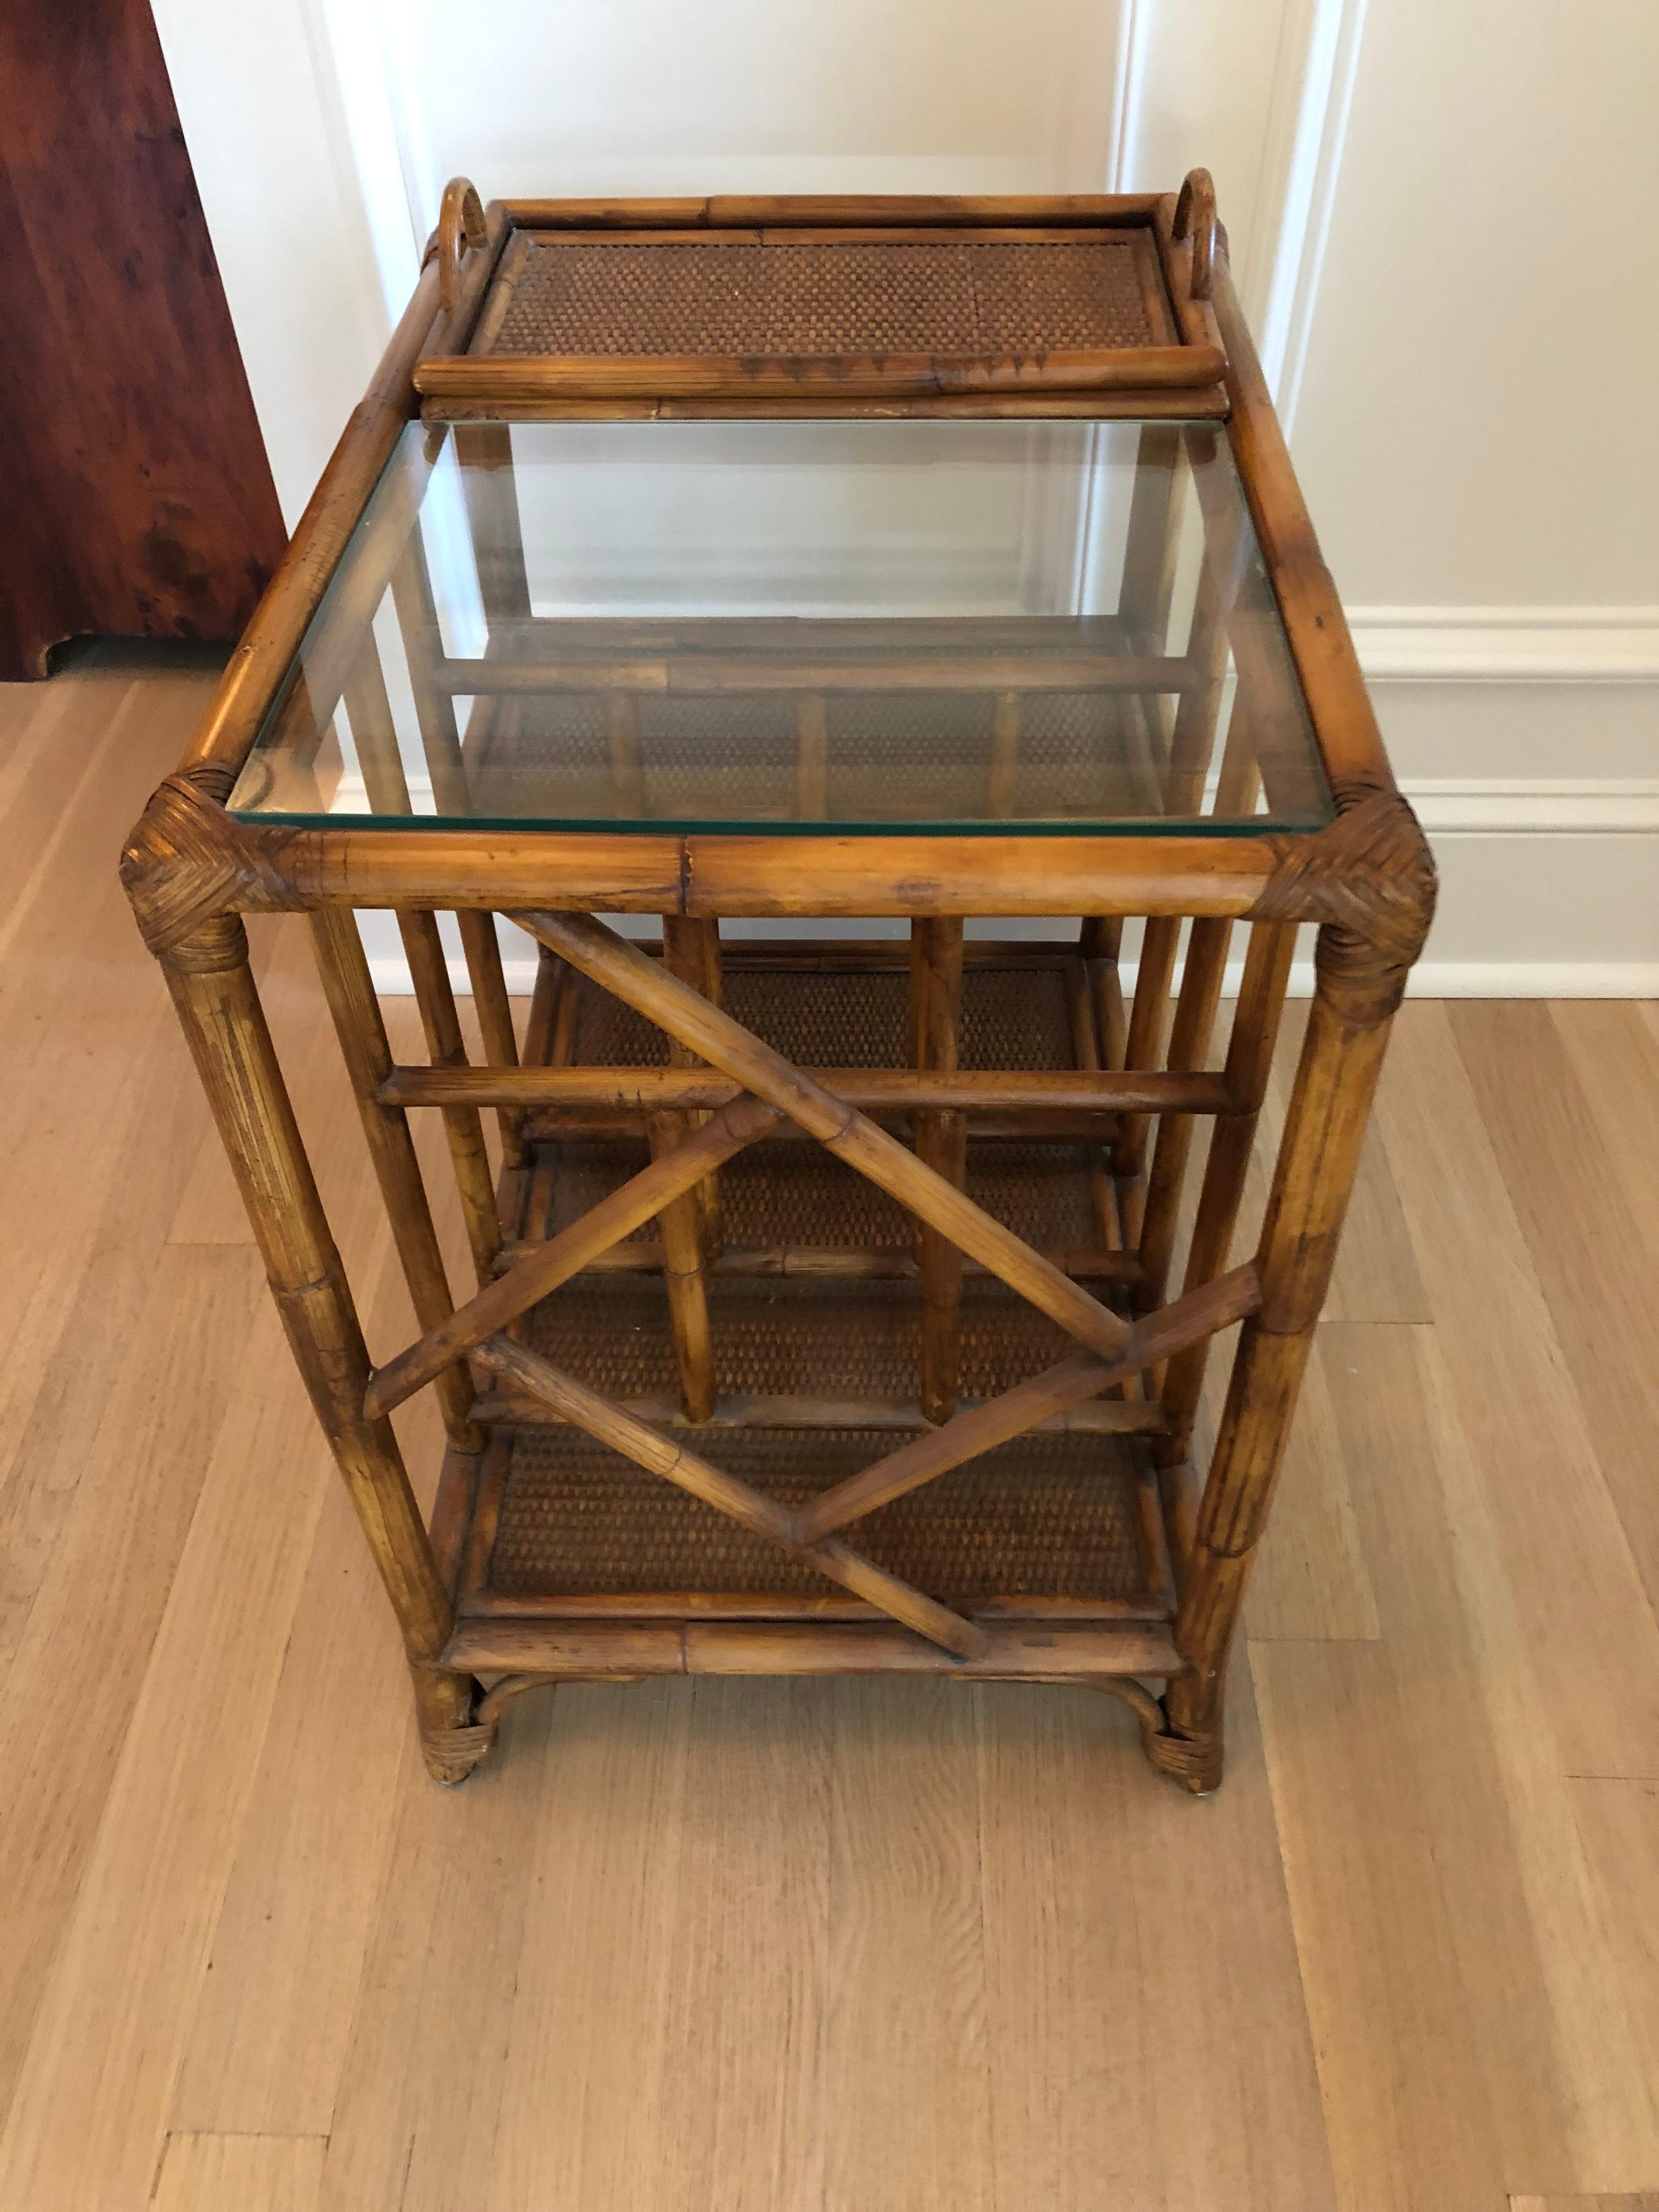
<point x="906" y="1968"/>
<point x="418" y="2108"/>
<point x="253" y="2174"/>
<point x="1600" y="1278"/>
<point x="1645" y="2201"/>
<point x="1591" y="1632"/>
<point x="81" y="1664"/>
<point x="1614" y="1053"/>
<point x="1094" y="1986"/>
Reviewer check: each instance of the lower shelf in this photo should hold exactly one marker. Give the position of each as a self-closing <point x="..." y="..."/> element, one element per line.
<point x="1047" y="1525"/>
<point x="1024" y="1651"/>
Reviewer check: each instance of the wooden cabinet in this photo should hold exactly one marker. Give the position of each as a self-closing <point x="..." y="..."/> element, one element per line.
<point x="138" y="498"/>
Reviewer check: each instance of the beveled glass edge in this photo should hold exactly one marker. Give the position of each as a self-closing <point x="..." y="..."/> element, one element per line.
<point x="1172" y="825"/>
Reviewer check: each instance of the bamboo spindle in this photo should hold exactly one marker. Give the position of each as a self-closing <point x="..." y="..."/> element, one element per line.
<point x="1085" y="1050"/>
<point x="1191" y="745"/>
<point x="811" y="757"/>
<point x="1144" y="1049"/>
<point x="374" y="734"/>
<point x="1250" y="1057"/>
<point x="687" y="1294"/>
<point x="1100" y="945"/>
<point x="1151" y="545"/>
<point x="224" y="1024"/>
<point x="368" y="1054"/>
<point x="1151" y="542"/>
<point x="417" y="617"/>
<point x="1005" y="757"/>
<point x="373" y="728"/>
<point x="1354" y="998"/>
<point x="484" y="450"/>
<point x="462" y="1126"/>
<point x="621" y="726"/>
<point x="691" y="951"/>
<point x="1189" y="1045"/>
<point x="941" y="1142"/>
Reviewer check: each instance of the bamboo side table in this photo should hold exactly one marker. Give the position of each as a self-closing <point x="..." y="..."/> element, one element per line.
<point x="823" y="1319"/>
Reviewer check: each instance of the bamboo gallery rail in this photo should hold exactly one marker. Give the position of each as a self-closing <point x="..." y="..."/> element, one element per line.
<point x="840" y="1305"/>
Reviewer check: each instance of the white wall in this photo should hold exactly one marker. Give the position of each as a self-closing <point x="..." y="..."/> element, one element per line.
<point x="1437" y="217"/>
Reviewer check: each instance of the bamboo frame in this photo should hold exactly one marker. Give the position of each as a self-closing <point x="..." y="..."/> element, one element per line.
<point x="1364" y="882"/>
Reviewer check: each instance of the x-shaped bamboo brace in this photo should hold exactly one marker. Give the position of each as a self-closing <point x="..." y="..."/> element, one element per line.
<point x="644" y="984"/>
<point x="620" y="968"/>
<point x="1118" y="1349"/>
<point x="806" y="1532"/>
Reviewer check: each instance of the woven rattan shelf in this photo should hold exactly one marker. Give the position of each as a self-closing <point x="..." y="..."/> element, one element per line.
<point x="775" y="577"/>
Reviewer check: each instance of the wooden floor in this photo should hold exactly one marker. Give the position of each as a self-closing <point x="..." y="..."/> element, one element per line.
<point x="865" y="1947"/>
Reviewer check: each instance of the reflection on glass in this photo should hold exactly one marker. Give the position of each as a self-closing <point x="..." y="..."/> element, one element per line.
<point x="811" y="626"/>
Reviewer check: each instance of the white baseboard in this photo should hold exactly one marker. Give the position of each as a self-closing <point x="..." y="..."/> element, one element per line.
<point x="1508" y="645"/>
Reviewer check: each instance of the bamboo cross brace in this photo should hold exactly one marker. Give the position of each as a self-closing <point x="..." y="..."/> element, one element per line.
<point x="614" y="1218"/>
<point x="1230" y="1298"/>
<point x="764" y="1517"/>
<point x="610" y="960"/>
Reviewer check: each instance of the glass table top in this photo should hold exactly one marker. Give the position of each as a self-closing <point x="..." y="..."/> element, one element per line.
<point x="797" y="627"/>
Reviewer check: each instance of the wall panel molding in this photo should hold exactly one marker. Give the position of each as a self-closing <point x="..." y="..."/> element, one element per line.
<point x="1306" y="129"/>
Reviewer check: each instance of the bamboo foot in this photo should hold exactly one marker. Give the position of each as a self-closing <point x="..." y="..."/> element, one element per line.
<point x="1194" y="1763"/>
<point x="455" y="1730"/>
<point x="1192" y="1759"/>
<point x="451" y="1754"/>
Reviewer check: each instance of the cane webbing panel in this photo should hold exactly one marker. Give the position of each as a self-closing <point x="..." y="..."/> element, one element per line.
<point x="1045" y="1516"/>
<point x="1013" y="1018"/>
<point x="887" y="754"/>
<point x="807" y="1338"/>
<point x="620" y="297"/>
<point x="797" y="1193"/>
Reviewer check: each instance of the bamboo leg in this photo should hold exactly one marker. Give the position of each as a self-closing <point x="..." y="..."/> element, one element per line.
<point x="941" y="1141"/>
<point x="224" y="1023"/>
<point x="368" y="1055"/>
<point x="1353" y="1004"/>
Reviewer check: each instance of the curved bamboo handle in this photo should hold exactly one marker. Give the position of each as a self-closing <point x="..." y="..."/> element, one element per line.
<point x="1195" y="212"/>
<point x="460" y="226"/>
